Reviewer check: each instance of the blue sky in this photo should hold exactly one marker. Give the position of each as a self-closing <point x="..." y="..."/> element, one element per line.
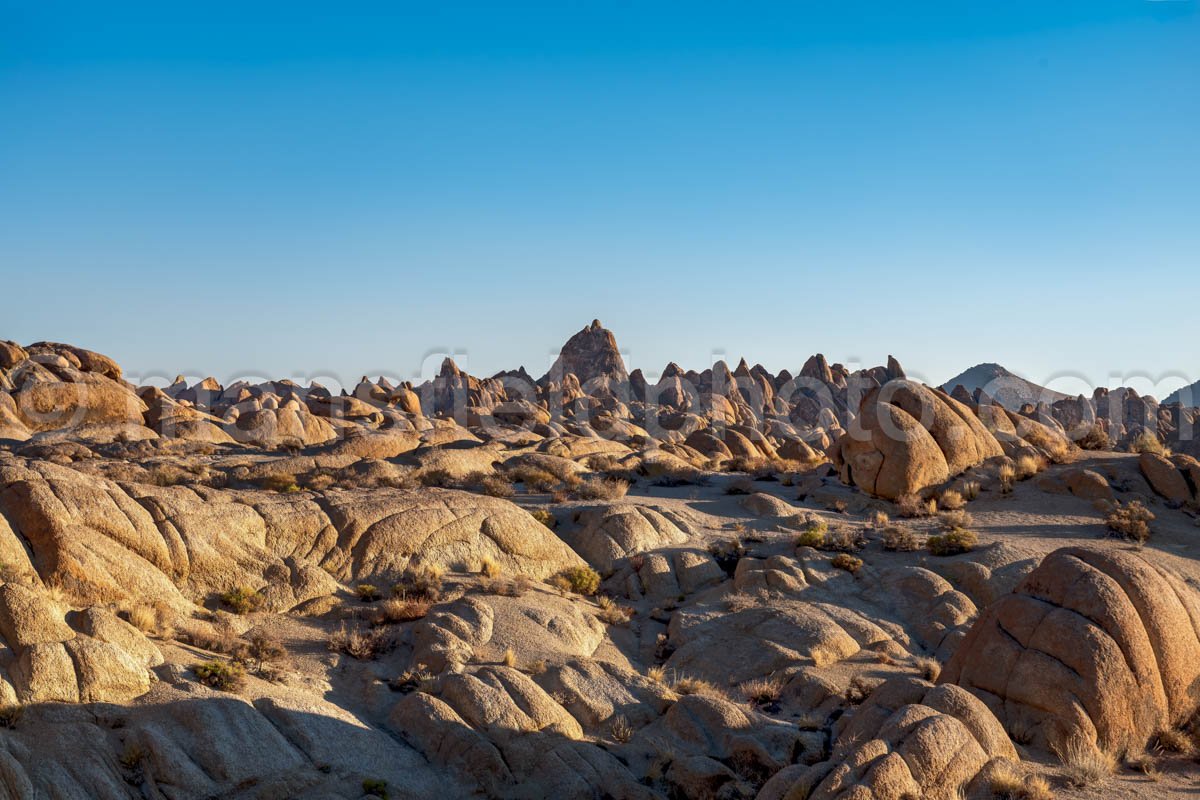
<point x="288" y="189"/>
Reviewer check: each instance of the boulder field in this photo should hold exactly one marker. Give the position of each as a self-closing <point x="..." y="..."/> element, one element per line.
<point x="583" y="586"/>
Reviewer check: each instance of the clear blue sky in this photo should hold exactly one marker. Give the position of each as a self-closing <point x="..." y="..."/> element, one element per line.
<point x="290" y="188"/>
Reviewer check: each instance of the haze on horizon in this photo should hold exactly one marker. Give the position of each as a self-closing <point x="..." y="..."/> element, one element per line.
<point x="284" y="190"/>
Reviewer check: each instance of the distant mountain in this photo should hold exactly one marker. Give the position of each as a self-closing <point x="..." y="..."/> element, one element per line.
<point x="1006" y="388"/>
<point x="1187" y="395"/>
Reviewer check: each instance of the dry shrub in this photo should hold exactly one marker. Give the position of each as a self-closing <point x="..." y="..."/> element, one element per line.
<point x="283" y="482"/>
<point x="424" y="582"/>
<point x="952" y="542"/>
<point x="261" y="651"/>
<point x="1094" y="438"/>
<point x="740" y="486"/>
<point x="319" y="481"/>
<point x="398" y="610"/>
<point x="581" y="580"/>
<point x="495" y="486"/>
<point x="1086" y="765"/>
<point x="242" y="599"/>
<point x="490" y="568"/>
<point x="10" y="715"/>
<point x="763" y="691"/>
<point x="1059" y="452"/>
<point x="436" y="478"/>
<point x="858" y="691"/>
<point x="367" y="592"/>
<point x="843" y="540"/>
<point x="912" y="506"/>
<point x="601" y="489"/>
<point x="1132" y="521"/>
<point x="417" y="679"/>
<point x="900" y="538"/>
<point x="543" y="516"/>
<point x="535" y="479"/>
<point x="739" y="601"/>
<point x="362" y="644"/>
<point x="1145" y="764"/>
<point x="1147" y="442"/>
<point x="928" y="668"/>
<point x="1026" y="467"/>
<point x="614" y="614"/>
<point x="507" y="587"/>
<point x="951" y="500"/>
<point x="224" y="675"/>
<point x="955" y="519"/>
<point x="847" y="562"/>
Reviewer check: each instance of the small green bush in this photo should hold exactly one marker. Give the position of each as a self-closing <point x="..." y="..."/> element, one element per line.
<point x="847" y="562"/>
<point x="375" y="787"/>
<point x="367" y="592"/>
<point x="582" y="580"/>
<point x="242" y="599"/>
<point x="223" y="675"/>
<point x="959" y="540"/>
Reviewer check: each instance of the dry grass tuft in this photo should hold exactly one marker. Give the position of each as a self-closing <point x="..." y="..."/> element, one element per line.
<point x="543" y="516"/>
<point x="657" y="673"/>
<point x="1086" y="765"/>
<point x="970" y="490"/>
<point x="951" y="500"/>
<point x="1007" y="784"/>
<point x="1008" y="477"/>
<point x="685" y="685"/>
<point x="490" y="568"/>
<point x="1026" y="467"/>
<point x="510" y="657"/>
<point x="877" y="519"/>
<point x="620" y="729"/>
<point x="762" y="691"/>
<point x="929" y="668"/>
